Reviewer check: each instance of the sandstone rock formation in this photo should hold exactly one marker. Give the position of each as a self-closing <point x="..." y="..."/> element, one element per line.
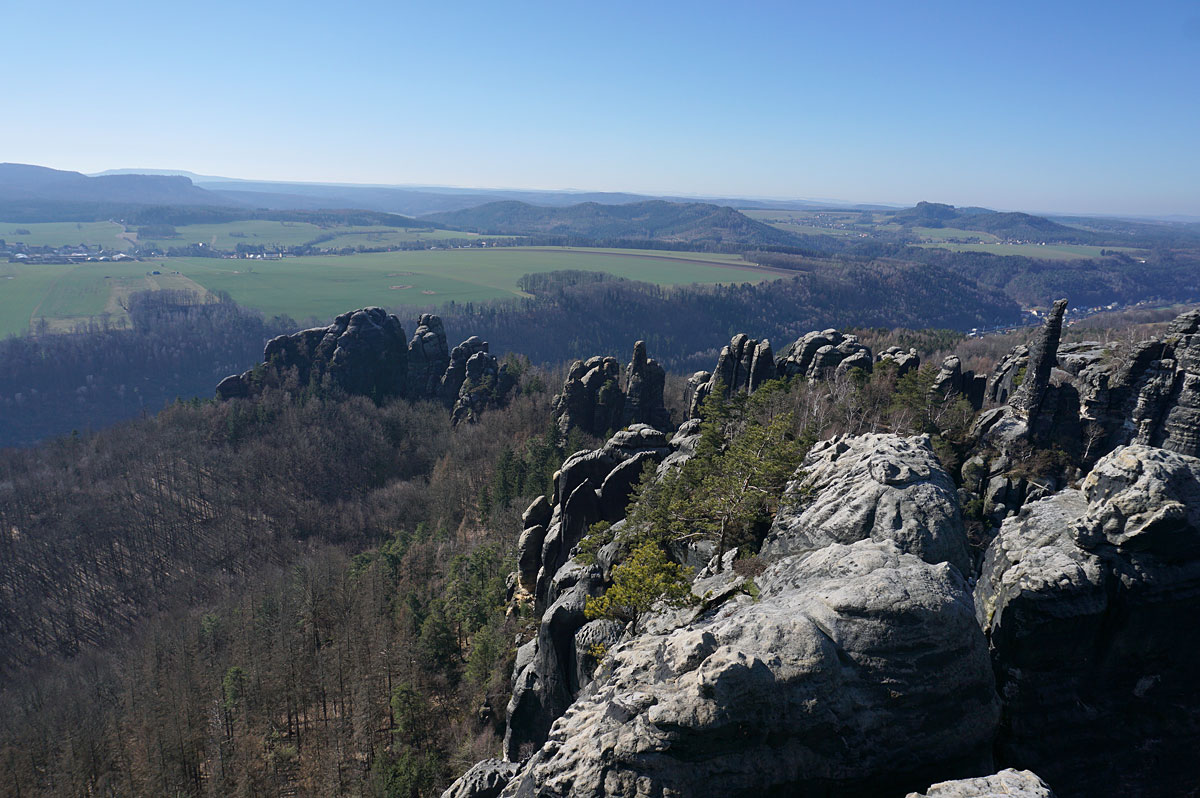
<point x="816" y="688"/>
<point x="591" y="486"/>
<point x="428" y="357"/>
<point x="364" y="353"/>
<point x="486" y="383"/>
<point x="746" y="363"/>
<point x="593" y="400"/>
<point x="1089" y="599"/>
<point x="1005" y="784"/>
<point x="1085" y="399"/>
<point x="904" y="360"/>
<point x="873" y="487"/>
<point x="485" y="780"/>
<point x="792" y="679"/>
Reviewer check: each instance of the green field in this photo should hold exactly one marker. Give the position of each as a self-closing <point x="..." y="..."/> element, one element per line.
<point x="288" y="234"/>
<point x="225" y="236"/>
<point x="323" y="286"/>
<point x="1046" y="251"/>
<point x="61" y="234"/>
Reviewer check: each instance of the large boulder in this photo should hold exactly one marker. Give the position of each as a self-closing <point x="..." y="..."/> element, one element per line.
<point x="591" y="398"/>
<point x="858" y="671"/>
<point x="872" y="487"/>
<point x="1005" y="784"/>
<point x="485" y="780"/>
<point x="1089" y="599"/>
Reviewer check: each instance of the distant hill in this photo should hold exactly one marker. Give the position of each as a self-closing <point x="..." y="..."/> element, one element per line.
<point x="655" y="220"/>
<point x="23" y="182"/>
<point x="1021" y="226"/>
<point x="39" y="194"/>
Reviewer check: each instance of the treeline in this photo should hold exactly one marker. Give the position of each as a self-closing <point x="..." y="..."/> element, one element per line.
<point x="174" y="345"/>
<point x="685" y="326"/>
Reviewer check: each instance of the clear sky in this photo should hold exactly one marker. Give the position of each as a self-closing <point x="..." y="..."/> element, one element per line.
<point x="1042" y="106"/>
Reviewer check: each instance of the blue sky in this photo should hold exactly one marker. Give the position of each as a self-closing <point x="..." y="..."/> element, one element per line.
<point x="1050" y="106"/>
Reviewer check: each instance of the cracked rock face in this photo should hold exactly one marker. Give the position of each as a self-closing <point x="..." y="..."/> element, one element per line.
<point x="859" y="671"/>
<point x="1088" y="599"/>
<point x="873" y="487"/>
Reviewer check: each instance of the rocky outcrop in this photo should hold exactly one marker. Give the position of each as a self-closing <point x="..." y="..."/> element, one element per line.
<point x="951" y="381"/>
<point x="873" y="487"/>
<point x="362" y="353"/>
<point x="746" y="364"/>
<point x="486" y="383"/>
<point x="742" y="366"/>
<point x="593" y="400"/>
<point x="591" y="486"/>
<point x="858" y="671"/>
<point x="428" y="357"/>
<point x="903" y="360"/>
<point x="485" y="780"/>
<point x="451" y="382"/>
<point x="1027" y="401"/>
<point x="1005" y="784"/>
<point x="1088" y="599"/>
<point x="817" y="354"/>
<point x="1084" y="399"/>
<point x="700" y="701"/>
<point x="591" y="397"/>
<point x="645" y="380"/>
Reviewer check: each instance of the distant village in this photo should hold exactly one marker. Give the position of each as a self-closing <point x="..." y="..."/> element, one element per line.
<point x="20" y="252"/>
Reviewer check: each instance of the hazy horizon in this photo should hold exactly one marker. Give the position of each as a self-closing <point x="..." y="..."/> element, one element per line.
<point x="1079" y="108"/>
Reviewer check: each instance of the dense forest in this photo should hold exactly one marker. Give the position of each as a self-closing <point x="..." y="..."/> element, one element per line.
<point x="174" y="346"/>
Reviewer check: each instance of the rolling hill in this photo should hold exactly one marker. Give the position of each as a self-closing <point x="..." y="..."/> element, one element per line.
<point x="1010" y="225"/>
<point x="654" y="220"/>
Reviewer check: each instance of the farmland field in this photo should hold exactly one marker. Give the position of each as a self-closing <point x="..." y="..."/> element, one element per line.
<point x="323" y="286"/>
<point x="61" y="234"/>
<point x="225" y="236"/>
<point x="1047" y="251"/>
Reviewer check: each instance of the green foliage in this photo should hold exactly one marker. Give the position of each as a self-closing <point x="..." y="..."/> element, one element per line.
<point x="644" y="579"/>
<point x="747" y="452"/>
<point x="598" y="536"/>
<point x="408" y="774"/>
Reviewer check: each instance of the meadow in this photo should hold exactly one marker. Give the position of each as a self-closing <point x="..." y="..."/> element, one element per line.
<point x="224" y="236"/>
<point x="323" y="286"/>
<point x="61" y="234"/>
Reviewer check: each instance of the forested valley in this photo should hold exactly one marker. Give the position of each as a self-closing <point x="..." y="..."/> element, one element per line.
<point x="298" y="594"/>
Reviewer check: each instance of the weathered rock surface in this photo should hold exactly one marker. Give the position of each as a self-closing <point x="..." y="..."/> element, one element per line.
<point x="903" y="360"/>
<point x="644" y="383"/>
<point x="1005" y="784"/>
<point x="1027" y="401"/>
<point x="363" y="352"/>
<point x="485" y="780"/>
<point x="747" y="363"/>
<point x="1089" y="601"/>
<point x="428" y="357"/>
<point x="873" y="487"/>
<point x="486" y="383"/>
<point x="591" y="486"/>
<point x="591" y="397"/>
<point x="1085" y="398"/>
<point x="860" y="671"/>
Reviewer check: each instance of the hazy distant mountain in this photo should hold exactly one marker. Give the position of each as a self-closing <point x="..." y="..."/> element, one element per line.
<point x="655" y="220"/>
<point x="22" y="182"/>
<point x="1007" y="225"/>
